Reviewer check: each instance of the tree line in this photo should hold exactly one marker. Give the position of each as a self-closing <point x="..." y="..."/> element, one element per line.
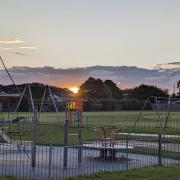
<point x="100" y="95"/>
<point x="106" y="95"/>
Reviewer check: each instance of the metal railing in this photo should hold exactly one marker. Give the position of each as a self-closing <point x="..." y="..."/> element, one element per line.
<point x="55" y="162"/>
<point x="145" y="146"/>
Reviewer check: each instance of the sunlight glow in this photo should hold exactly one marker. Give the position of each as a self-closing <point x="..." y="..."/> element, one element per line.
<point x="74" y="89"/>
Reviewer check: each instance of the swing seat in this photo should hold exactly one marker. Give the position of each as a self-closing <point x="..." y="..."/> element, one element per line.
<point x="16" y="120"/>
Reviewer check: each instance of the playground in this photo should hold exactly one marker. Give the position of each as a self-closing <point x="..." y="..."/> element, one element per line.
<point x="49" y="143"/>
<point x="49" y="162"/>
<point x="57" y="144"/>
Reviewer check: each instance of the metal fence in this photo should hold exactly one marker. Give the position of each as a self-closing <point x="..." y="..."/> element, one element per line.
<point x="143" y="147"/>
<point x="53" y="162"/>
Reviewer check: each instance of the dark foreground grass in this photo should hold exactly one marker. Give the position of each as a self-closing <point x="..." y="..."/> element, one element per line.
<point x="14" y="178"/>
<point x="154" y="152"/>
<point x="9" y="178"/>
<point x="150" y="173"/>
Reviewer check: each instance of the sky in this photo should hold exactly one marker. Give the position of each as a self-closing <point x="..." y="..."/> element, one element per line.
<point x="82" y="33"/>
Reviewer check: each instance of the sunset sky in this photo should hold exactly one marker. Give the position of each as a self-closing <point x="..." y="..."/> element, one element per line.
<point x="82" y="33"/>
<point x="72" y="33"/>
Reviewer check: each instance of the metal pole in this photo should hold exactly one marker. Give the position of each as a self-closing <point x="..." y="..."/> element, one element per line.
<point x="9" y="75"/>
<point x="34" y="137"/>
<point x="160" y="149"/>
<point x="22" y="95"/>
<point x="127" y="152"/>
<point x="52" y="97"/>
<point x="80" y="147"/>
<point x="66" y="128"/>
<point x="31" y="98"/>
<point x="50" y="161"/>
<point x="42" y="102"/>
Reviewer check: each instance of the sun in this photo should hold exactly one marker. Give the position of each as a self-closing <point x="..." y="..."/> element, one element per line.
<point x="74" y="89"/>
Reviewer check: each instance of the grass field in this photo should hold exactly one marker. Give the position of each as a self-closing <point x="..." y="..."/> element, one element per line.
<point x="150" y="173"/>
<point x="51" y="127"/>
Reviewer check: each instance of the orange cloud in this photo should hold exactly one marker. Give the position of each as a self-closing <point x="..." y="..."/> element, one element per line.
<point x="11" y="41"/>
<point x="29" y="47"/>
<point x="173" y="65"/>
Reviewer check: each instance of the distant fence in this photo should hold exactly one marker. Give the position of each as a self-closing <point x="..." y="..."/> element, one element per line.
<point x="165" y="106"/>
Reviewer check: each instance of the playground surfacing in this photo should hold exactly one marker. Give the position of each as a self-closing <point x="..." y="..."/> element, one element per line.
<point x="18" y="163"/>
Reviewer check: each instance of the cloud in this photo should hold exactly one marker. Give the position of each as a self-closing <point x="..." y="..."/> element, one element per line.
<point x="172" y="65"/>
<point x="6" y="48"/>
<point x="19" y="53"/>
<point x="14" y="45"/>
<point x="11" y="41"/>
<point x="124" y="76"/>
<point x="29" y="47"/>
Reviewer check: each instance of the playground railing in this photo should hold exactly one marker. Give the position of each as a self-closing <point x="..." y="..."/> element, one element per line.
<point x="55" y="162"/>
<point x="49" y="149"/>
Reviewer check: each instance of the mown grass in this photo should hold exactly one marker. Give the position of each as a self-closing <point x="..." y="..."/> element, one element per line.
<point x="51" y="129"/>
<point x="150" y="173"/>
<point x="154" y="152"/>
<point x="105" y="116"/>
<point x="54" y="133"/>
<point x="8" y="178"/>
<point x="13" y="178"/>
<point x="168" y="172"/>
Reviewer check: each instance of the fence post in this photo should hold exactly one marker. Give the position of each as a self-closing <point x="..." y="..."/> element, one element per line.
<point x="34" y="137"/>
<point x="127" y="149"/>
<point x="50" y="160"/>
<point x="160" y="149"/>
<point x="80" y="147"/>
<point x="66" y="128"/>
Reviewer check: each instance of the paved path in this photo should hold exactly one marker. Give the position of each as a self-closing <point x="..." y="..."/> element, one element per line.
<point x="120" y="145"/>
<point x="151" y="135"/>
<point x="17" y="163"/>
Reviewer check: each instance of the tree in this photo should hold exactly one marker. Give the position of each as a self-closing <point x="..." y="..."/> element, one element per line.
<point x="178" y="84"/>
<point x="37" y="90"/>
<point x="116" y="92"/>
<point x="142" y="92"/>
<point x="95" y="88"/>
<point x="178" y="87"/>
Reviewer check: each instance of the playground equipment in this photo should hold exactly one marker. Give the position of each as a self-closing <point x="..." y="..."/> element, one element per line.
<point x="46" y="98"/>
<point x="29" y="99"/>
<point x="6" y="132"/>
<point x="163" y="109"/>
<point x="108" y="146"/>
<point x="108" y="134"/>
<point x="74" y="110"/>
<point x="19" y="145"/>
<point x="5" y="100"/>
